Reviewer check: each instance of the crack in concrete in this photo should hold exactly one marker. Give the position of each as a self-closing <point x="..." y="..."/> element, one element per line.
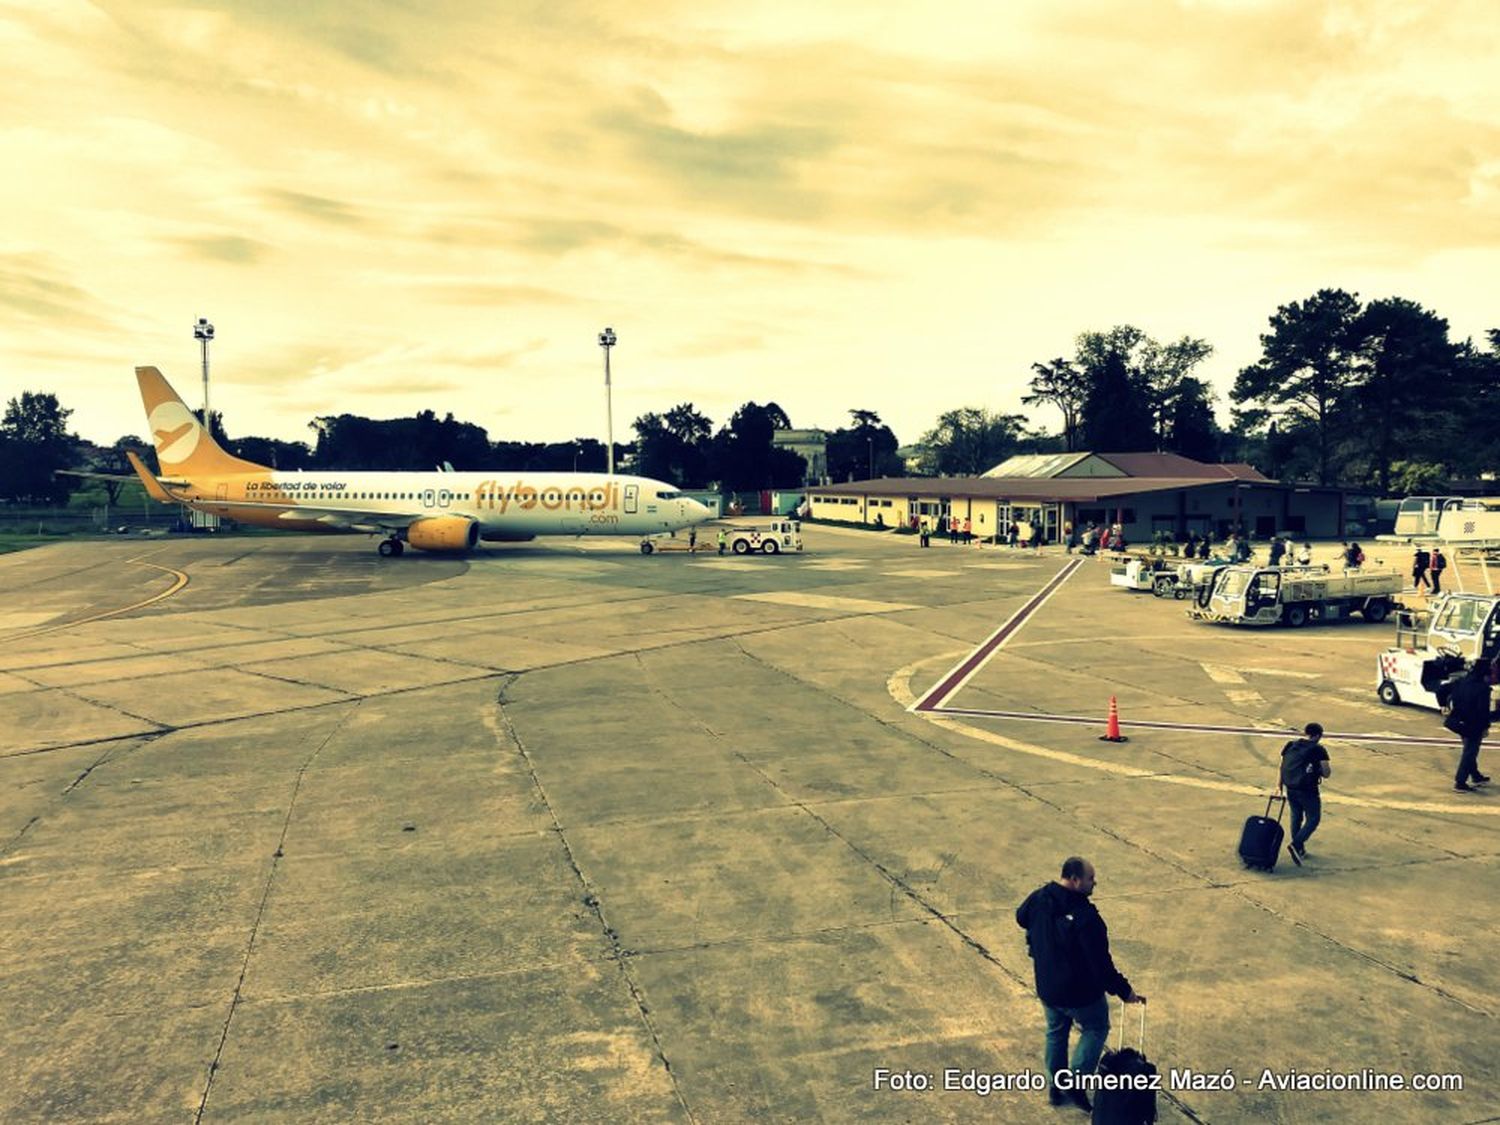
<point x="886" y="873"/>
<point x="265" y="897"/>
<point x="107" y="757"/>
<point x="507" y="732"/>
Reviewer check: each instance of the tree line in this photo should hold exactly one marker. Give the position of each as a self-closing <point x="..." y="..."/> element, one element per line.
<point x="1376" y="394"/>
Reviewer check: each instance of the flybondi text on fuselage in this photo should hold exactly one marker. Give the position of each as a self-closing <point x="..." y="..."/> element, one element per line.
<point x="493" y="495"/>
<point x="433" y="511"/>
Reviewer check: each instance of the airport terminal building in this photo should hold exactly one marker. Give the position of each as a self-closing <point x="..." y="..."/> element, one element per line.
<point x="1144" y="492"/>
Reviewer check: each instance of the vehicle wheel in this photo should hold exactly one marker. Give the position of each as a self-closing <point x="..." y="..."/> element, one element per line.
<point x="1180" y="592"/>
<point x="741" y="547"/>
<point x="387" y="548"/>
<point x="1296" y="616"/>
<point x="647" y="548"/>
<point x="1162" y="587"/>
<point x="1376" y="611"/>
<point x="770" y="546"/>
<point x="1388" y="693"/>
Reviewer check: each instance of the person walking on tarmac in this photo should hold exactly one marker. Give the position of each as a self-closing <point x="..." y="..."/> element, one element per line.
<point x="1469" y="718"/>
<point x="1304" y="765"/>
<point x="1069" y="947"/>
<point x="723" y="540"/>
<point x="1437" y="565"/>
<point x="1419" y="563"/>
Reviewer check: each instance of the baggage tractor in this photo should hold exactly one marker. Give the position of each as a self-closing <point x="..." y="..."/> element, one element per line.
<point x="1260" y="842"/>
<point x="1134" y="1102"/>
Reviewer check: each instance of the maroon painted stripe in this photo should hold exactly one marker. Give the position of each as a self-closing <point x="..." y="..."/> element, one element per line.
<point x="950" y="683"/>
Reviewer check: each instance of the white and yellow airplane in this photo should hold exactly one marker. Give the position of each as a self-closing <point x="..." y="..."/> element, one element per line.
<point x="438" y="511"/>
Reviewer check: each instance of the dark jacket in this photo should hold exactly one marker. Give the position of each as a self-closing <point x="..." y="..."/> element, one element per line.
<point x="1471" y="704"/>
<point x="1299" y="764"/>
<point x="1069" y="947"/>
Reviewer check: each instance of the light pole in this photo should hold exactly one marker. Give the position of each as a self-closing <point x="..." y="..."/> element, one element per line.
<point x="607" y="340"/>
<point x="203" y="332"/>
<point x="871" y="440"/>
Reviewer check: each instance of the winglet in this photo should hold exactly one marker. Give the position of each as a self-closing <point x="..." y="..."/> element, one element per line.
<point x="153" y="486"/>
<point x="183" y="446"/>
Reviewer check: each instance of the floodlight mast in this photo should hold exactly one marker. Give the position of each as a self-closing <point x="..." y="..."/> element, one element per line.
<point x="203" y="332"/>
<point x="607" y="340"/>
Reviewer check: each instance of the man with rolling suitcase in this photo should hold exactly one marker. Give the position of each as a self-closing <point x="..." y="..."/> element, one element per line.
<point x="1069" y="946"/>
<point x="1304" y="765"/>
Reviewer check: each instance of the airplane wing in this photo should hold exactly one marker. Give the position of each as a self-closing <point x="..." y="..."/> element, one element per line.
<point x="124" y="478"/>
<point x="355" y="519"/>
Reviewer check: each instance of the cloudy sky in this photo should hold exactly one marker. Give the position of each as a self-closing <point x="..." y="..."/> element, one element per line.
<point x="388" y="206"/>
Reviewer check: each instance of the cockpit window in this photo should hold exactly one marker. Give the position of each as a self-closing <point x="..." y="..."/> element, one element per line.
<point x="669" y="495"/>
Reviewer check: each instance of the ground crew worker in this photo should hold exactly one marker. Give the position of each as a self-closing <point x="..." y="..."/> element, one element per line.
<point x="1438" y="565"/>
<point x="723" y="540"/>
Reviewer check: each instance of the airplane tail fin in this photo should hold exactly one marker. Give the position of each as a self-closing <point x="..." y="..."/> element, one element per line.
<point x="183" y="446"/>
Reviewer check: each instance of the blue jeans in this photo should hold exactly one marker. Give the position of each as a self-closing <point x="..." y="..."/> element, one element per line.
<point x="1307" y="810"/>
<point x="1093" y="1030"/>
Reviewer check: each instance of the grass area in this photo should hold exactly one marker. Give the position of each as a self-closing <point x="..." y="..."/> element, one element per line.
<point x="12" y="541"/>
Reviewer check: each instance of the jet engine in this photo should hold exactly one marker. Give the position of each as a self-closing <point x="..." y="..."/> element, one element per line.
<point x="443" y="533"/>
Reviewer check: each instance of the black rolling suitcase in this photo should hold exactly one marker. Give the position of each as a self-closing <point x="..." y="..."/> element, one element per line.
<point x="1134" y="1101"/>
<point x="1260" y="842"/>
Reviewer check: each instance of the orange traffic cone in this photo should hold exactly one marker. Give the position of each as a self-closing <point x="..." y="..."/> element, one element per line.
<point x="1112" y="728"/>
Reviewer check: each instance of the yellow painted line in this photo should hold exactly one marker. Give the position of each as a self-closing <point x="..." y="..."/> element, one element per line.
<point x="899" y="687"/>
<point x="181" y="580"/>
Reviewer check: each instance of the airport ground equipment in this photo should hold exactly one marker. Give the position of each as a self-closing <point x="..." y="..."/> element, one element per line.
<point x="1134" y="572"/>
<point x="1435" y="646"/>
<point x="770" y="539"/>
<point x="1262" y="595"/>
<point x="1163" y="577"/>
<point x="1447" y="520"/>
<point x="1261" y="838"/>
<point x="1182" y="580"/>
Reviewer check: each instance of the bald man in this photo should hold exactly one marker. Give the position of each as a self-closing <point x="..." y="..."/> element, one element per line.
<point x="1069" y="947"/>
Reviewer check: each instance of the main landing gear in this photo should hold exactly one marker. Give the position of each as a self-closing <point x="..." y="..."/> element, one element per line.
<point x="391" y="548"/>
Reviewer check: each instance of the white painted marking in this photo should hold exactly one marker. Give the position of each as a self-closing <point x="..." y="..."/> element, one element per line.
<point x="1245" y="696"/>
<point x="920" y="574"/>
<point x="823" y="601"/>
<point x="899" y="687"/>
<point x="1222" y="675"/>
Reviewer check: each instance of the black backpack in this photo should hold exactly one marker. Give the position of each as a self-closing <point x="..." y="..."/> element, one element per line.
<point x="1298" y="766"/>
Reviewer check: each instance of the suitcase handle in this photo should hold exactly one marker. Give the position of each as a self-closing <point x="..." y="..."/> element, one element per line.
<point x="1120" y="1042"/>
<point x="1274" y="797"/>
